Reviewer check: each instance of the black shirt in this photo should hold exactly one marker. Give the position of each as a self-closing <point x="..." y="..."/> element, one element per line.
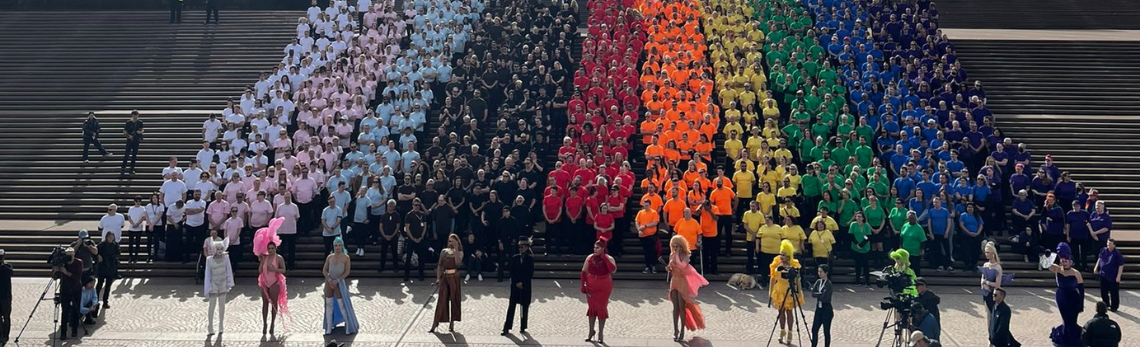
<point x="492" y="212"/>
<point x="390" y="223"/>
<point x="405" y="205"/>
<point x="478" y="107"/>
<point x="6" y="282"/>
<point x="133" y="127"/>
<point x="508" y="229"/>
<point x="415" y="223"/>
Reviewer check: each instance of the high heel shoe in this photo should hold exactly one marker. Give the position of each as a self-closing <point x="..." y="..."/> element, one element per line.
<point x="451" y="327"/>
<point x="433" y="326"/>
<point x="591" y="337"/>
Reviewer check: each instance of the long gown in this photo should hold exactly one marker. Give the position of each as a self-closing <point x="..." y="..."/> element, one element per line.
<point x="448" y="307"/>
<point x="348" y="316"/>
<point x="1070" y="301"/>
<point x="686" y="281"/>
<point x="599" y="285"/>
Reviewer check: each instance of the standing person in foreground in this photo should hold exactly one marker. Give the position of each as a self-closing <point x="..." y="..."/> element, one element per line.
<point x="70" y="286"/>
<point x="522" y="271"/>
<point x="271" y="275"/>
<point x="1109" y="268"/>
<point x="598" y="285"/>
<point x="5" y="299"/>
<point x="447" y="307"/>
<point x="338" y="306"/>
<point x="1070" y="298"/>
<point x="91" y="135"/>
<point x="1101" y="331"/>
<point x="684" y="281"/>
<point x="824" y="312"/>
<point x="219" y="281"/>
<point x="107" y="268"/>
<point x="780" y="289"/>
<point x="1000" y="335"/>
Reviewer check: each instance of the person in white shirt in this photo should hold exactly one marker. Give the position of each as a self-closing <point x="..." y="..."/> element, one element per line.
<point x="195" y="225"/>
<point x="136" y="222"/>
<point x="211" y="128"/>
<point x="175" y="227"/>
<point x="173" y="189"/>
<point x="173" y="167"/>
<point x="205" y="155"/>
<point x="156" y="225"/>
<point x="112" y="222"/>
<point x="193" y="173"/>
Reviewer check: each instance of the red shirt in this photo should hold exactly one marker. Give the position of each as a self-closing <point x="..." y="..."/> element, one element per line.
<point x="614" y="201"/>
<point x="552" y="206"/>
<point x="594" y="204"/>
<point x="574" y="204"/>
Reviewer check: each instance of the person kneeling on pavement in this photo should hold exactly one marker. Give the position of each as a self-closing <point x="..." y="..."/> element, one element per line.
<point x="89" y="301"/>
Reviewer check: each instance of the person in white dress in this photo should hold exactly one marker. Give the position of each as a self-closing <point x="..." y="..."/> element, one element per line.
<point x="219" y="281"/>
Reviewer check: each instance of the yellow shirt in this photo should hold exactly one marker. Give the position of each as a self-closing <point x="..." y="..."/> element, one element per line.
<point x="829" y="223"/>
<point x="770" y="237"/>
<point x="753" y="221"/>
<point x="795" y="234"/>
<point x="766" y="200"/>
<point x="792" y="211"/>
<point x="743" y="180"/>
<point x="821" y="242"/>
<point x="786" y="192"/>
<point x="733" y="148"/>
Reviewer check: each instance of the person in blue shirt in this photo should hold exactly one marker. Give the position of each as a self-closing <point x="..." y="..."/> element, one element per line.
<point x="939" y="222"/>
<point x="1077" y="231"/>
<point x="89" y="301"/>
<point x="904" y="184"/>
<point x="982" y="195"/>
<point x="924" y="321"/>
<point x="973" y="229"/>
<point x="361" y="223"/>
<point x="330" y="223"/>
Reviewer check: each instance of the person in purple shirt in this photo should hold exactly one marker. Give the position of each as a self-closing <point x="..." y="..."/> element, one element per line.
<point x="1077" y="232"/>
<point x="1109" y="267"/>
<point x="1052" y="223"/>
<point x="1050" y="168"/>
<point x="1100" y="223"/>
<point x="1018" y="181"/>
<point x="1065" y="190"/>
<point x="1024" y="211"/>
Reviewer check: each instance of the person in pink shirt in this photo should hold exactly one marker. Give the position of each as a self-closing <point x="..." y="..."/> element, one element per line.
<point x="288" y="229"/>
<point x="252" y="194"/>
<point x="233" y="188"/>
<point x="281" y="145"/>
<point x="232" y="229"/>
<point x="217" y="211"/>
<point x="305" y="190"/>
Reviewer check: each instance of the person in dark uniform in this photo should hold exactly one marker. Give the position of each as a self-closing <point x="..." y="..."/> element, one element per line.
<point x="176" y="11"/>
<point x="6" y="299"/>
<point x="70" y="287"/>
<point x="415" y="229"/>
<point x="391" y="223"/>
<point x="212" y="7"/>
<point x="91" y="136"/>
<point x="522" y="271"/>
<point x="507" y="230"/>
<point x="133" y="130"/>
<point x="999" y="322"/>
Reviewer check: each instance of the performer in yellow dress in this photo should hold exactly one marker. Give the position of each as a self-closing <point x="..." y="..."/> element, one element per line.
<point x="778" y="293"/>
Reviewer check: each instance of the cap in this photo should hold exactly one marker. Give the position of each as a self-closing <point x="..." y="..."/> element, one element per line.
<point x="920" y="281"/>
<point x="83" y="234"/>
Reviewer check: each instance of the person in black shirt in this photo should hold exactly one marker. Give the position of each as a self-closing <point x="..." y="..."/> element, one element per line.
<point x="457" y="199"/>
<point x="415" y="232"/>
<point x="91" y="136"/>
<point x="508" y="229"/>
<point x="504" y="185"/>
<point x="521" y="213"/>
<point x="478" y="105"/>
<point x="1100" y="331"/>
<point x="491" y="212"/>
<point x="5" y="299"/>
<point x="133" y="130"/>
<point x="70" y="288"/>
<point x="522" y="271"/>
<point x="405" y="195"/>
<point x="390" y="227"/>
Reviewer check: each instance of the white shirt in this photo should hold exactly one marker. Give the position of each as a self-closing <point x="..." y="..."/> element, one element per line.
<point x="199" y="218"/>
<point x="176" y="214"/>
<point x="167" y="170"/>
<point x="206" y="187"/>
<point x="211" y="127"/>
<point x="136" y="213"/>
<point x="192" y="175"/>
<point x="154" y="214"/>
<point x="236" y="118"/>
<point x="172" y="191"/>
<point x="205" y="156"/>
<point x="112" y="224"/>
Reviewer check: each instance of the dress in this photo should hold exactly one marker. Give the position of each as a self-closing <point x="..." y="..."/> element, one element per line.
<point x="448" y="306"/>
<point x="686" y="281"/>
<point x="1070" y="301"/>
<point x="598" y="284"/>
<point x="779" y="291"/>
<point x="342" y="311"/>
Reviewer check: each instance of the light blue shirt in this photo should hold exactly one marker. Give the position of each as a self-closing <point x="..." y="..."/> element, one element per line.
<point x="360" y="213"/>
<point x="330" y="216"/>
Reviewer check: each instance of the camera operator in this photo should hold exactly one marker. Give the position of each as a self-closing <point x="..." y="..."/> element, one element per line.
<point x="85" y="250"/>
<point x="924" y="321"/>
<point x="929" y="300"/>
<point x="821" y="291"/>
<point x="5" y="299"/>
<point x="70" y="286"/>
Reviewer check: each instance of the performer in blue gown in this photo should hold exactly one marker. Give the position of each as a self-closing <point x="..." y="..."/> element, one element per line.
<point x="1070" y="299"/>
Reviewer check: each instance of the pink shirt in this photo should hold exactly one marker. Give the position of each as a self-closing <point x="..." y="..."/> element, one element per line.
<point x="218" y="211"/>
<point x="232" y="190"/>
<point x="290" y="212"/>
<point x="304" y="189"/>
<point x="232" y="228"/>
<point x="259" y="213"/>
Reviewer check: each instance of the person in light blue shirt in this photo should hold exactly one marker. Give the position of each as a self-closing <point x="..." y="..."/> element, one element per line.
<point x="409" y="157"/>
<point x="343" y="199"/>
<point x="904" y="184"/>
<point x="392" y="156"/>
<point x="361" y="225"/>
<point x="354" y="153"/>
<point x="89" y="301"/>
<point x="330" y="223"/>
<point x="335" y="179"/>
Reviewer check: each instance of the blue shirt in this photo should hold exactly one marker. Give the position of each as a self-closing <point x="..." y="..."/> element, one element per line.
<point x="939" y="218"/>
<point x="970" y="222"/>
<point x="981" y="193"/>
<point x="87" y="299"/>
<point x="360" y="213"/>
<point x="329" y="216"/>
<point x="342" y="200"/>
<point x="905" y="186"/>
<point x="929" y="326"/>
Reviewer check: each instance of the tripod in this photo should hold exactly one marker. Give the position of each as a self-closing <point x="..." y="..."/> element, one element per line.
<point x="898" y="325"/>
<point x="52" y="286"/>
<point x="793" y="292"/>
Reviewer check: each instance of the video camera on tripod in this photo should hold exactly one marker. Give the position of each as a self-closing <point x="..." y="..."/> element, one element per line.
<point x="789" y="273"/>
<point x="899" y="298"/>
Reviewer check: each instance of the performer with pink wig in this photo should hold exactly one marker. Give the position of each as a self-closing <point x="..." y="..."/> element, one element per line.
<point x="271" y="274"/>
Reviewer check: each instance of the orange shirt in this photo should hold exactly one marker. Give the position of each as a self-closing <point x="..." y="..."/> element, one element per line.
<point x="708" y="224"/>
<point x="655" y="201"/>
<point x="722" y="201"/>
<point x="674" y="210"/>
<point x="689" y="229"/>
<point x="645" y="217"/>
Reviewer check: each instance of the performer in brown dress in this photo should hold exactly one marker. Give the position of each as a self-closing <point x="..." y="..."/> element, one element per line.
<point x="447" y="308"/>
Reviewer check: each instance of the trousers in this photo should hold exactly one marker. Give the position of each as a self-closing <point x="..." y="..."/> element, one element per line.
<point x="219" y="301"/>
<point x="511" y="314"/>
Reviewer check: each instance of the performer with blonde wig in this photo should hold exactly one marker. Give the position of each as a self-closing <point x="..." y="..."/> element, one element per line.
<point x="778" y="289"/>
<point x="271" y="275"/>
<point x="684" y="281"/>
<point x="219" y="281"/>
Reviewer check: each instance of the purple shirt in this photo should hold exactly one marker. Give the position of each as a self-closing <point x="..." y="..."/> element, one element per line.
<point x="1110" y="263"/>
<point x="1098" y="221"/>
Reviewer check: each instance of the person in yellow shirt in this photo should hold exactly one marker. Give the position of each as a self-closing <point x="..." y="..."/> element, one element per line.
<point x="789" y="210"/>
<point x="786" y="189"/>
<point x="751" y="221"/>
<point x="827" y="220"/>
<point x="821" y="240"/>
<point x="732" y="146"/>
<point x="794" y="233"/>
<point x="647" y="220"/>
<point x="744" y="179"/>
<point x="766" y="198"/>
<point x="767" y="243"/>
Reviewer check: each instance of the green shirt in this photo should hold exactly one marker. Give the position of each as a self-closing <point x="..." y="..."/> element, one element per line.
<point x="840" y="154"/>
<point x="811" y="185"/>
<point x="864" y="154"/>
<point x="848" y="208"/>
<point x="830" y="205"/>
<point x="898" y="217"/>
<point x="912" y="237"/>
<point x="859" y="233"/>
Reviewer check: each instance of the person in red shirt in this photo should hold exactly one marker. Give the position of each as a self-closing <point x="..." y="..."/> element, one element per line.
<point x="574" y="227"/>
<point x="604" y="225"/>
<point x="552" y="213"/>
<point x="616" y="202"/>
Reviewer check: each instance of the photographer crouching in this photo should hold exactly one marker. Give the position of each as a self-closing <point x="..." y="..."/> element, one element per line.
<point x="71" y="276"/>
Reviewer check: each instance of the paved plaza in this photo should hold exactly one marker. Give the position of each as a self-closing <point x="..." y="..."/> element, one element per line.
<point x="171" y="312"/>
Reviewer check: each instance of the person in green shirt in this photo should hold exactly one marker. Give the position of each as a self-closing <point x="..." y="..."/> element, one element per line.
<point x="860" y="233"/>
<point x="902" y="260"/>
<point x="911" y="239"/>
<point x="825" y="162"/>
<point x="864" y="153"/>
<point x="839" y="153"/>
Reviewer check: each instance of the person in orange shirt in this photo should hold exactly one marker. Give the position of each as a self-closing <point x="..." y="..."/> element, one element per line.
<point x="647" y="220"/>
<point x="723" y="201"/>
<point x="654" y="199"/>
<point x="710" y="248"/>
<point x="674" y="208"/>
<point x="688" y="228"/>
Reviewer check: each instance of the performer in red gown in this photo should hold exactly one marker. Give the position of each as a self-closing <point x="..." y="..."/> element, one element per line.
<point x="598" y="285"/>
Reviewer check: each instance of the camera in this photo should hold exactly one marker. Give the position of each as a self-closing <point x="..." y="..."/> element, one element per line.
<point x="789" y="273"/>
<point x="899" y="299"/>
<point x="897" y="282"/>
<point x="58" y="257"/>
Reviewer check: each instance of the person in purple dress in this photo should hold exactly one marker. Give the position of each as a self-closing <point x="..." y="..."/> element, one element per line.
<point x="1069" y="298"/>
<point x="1109" y="267"/>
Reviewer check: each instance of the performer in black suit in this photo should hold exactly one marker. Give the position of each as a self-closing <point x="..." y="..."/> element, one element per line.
<point x="522" y="271"/>
<point x="1000" y="335"/>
